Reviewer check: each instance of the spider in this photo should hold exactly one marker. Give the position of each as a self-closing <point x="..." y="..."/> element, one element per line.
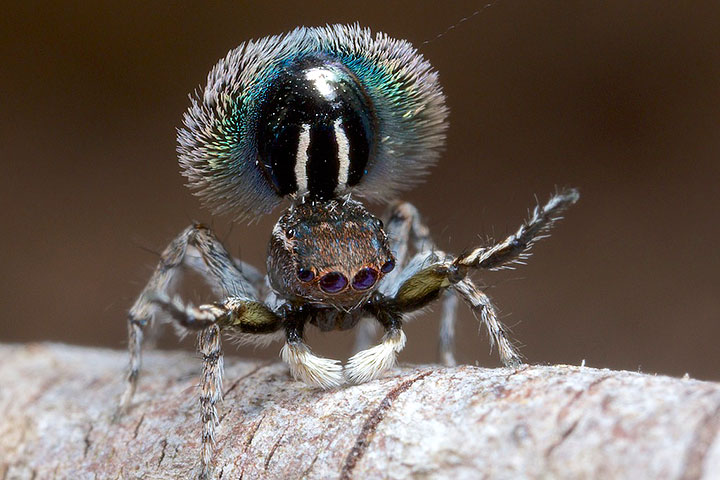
<point x="319" y="117"/>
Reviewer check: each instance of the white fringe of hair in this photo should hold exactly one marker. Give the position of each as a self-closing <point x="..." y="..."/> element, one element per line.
<point x="311" y="369"/>
<point x="369" y="364"/>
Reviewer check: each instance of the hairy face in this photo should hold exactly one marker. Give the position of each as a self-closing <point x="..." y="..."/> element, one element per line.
<point x="328" y="252"/>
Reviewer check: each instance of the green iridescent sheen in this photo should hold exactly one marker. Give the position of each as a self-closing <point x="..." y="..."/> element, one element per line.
<point x="217" y="145"/>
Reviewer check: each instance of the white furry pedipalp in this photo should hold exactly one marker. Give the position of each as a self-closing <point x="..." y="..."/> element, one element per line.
<point x="311" y="369"/>
<point x="369" y="364"/>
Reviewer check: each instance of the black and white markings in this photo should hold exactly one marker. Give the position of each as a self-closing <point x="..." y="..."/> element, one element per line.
<point x="319" y="170"/>
<point x="318" y="129"/>
<point x="353" y="96"/>
<point x="343" y="153"/>
<point x="301" y="159"/>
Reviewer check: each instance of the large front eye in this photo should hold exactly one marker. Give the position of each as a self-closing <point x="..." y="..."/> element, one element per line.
<point x="333" y="282"/>
<point x="364" y="279"/>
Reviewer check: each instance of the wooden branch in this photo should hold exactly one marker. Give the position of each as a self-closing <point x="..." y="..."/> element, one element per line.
<point x="417" y="422"/>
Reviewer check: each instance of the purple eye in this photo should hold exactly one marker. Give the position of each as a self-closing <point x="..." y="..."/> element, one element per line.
<point x="364" y="279"/>
<point x="305" y="274"/>
<point x="333" y="282"/>
<point x="388" y="266"/>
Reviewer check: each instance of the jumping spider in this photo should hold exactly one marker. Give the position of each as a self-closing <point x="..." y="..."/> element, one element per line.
<point x="319" y="116"/>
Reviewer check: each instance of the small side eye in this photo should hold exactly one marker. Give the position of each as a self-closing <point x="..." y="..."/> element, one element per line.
<point x="305" y="275"/>
<point x="378" y="223"/>
<point x="388" y="266"/>
<point x="290" y="233"/>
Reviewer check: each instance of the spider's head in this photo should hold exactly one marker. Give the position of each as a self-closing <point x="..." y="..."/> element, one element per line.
<point x="330" y="252"/>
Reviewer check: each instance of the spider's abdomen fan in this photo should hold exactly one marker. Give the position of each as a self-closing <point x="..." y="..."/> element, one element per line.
<point x="318" y="112"/>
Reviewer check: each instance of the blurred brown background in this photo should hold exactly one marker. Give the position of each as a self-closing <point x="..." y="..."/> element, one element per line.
<point x="621" y="99"/>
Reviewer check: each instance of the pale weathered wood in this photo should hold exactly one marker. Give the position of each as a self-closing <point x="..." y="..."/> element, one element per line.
<point x="417" y="422"/>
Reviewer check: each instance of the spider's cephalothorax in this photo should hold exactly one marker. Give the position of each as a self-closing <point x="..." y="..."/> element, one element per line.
<point x="320" y="117"/>
<point x="332" y="252"/>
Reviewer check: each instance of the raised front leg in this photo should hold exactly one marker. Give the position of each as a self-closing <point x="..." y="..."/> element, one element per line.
<point x="514" y="249"/>
<point x="429" y="275"/>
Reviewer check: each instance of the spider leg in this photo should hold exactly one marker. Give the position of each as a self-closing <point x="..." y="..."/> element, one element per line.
<point x="304" y="365"/>
<point x="405" y="230"/>
<point x="446" y="343"/>
<point x="427" y="276"/>
<point x="234" y="315"/>
<point x="135" y="339"/>
<point x="210" y="394"/>
<point x="368" y="364"/>
<point x="514" y="249"/>
<point x="213" y="262"/>
<point x="480" y="303"/>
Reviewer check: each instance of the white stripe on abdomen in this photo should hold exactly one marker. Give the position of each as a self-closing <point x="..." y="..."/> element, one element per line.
<point x="301" y="158"/>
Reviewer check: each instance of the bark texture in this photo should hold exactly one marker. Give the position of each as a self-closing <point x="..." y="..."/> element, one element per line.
<point x="416" y="422"/>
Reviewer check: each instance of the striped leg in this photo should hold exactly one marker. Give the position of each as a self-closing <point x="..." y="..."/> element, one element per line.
<point x="481" y="304"/>
<point x="515" y="248"/>
<point x="428" y="277"/>
<point x="210" y="395"/>
<point x="198" y="248"/>
<point x="405" y="229"/>
<point x="235" y="315"/>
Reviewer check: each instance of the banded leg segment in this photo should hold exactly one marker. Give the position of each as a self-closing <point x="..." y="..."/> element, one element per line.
<point x="214" y="263"/>
<point x="210" y="395"/>
<point x="481" y="304"/>
<point x="406" y="230"/>
<point x="429" y="282"/>
<point x="234" y="315"/>
<point x="514" y="249"/>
